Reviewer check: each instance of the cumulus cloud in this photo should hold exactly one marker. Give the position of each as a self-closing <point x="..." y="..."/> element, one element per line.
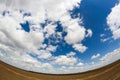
<point x="65" y="60"/>
<point x="50" y="29"/>
<point x="80" y="48"/>
<point x="80" y="64"/>
<point x="19" y="38"/>
<point x="75" y="32"/>
<point x="12" y="13"/>
<point x="28" y="48"/>
<point x="27" y="62"/>
<point x="95" y="56"/>
<point x="113" y="21"/>
<point x="108" y="58"/>
<point x="71" y="54"/>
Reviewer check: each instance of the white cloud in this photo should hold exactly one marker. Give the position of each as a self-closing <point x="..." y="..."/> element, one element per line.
<point x="80" y="64"/>
<point x="71" y="54"/>
<point x="102" y="35"/>
<point x="65" y="60"/>
<point x="33" y="40"/>
<point x="51" y="48"/>
<point x="105" y="39"/>
<point x="16" y="44"/>
<point x="80" y="48"/>
<point x="50" y="29"/>
<point x="89" y="33"/>
<point x="75" y="32"/>
<point x="26" y="62"/>
<point x="19" y="38"/>
<point x="110" y="55"/>
<point x="92" y="63"/>
<point x="45" y="54"/>
<point x="113" y="20"/>
<point x="95" y="56"/>
<point x="49" y="8"/>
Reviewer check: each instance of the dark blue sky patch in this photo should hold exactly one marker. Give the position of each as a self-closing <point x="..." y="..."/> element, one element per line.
<point x="5" y="12"/>
<point x="26" y="14"/>
<point x="45" y="23"/>
<point x="59" y="27"/>
<point x="63" y="48"/>
<point x="53" y="39"/>
<point x="25" y="26"/>
<point x="64" y="33"/>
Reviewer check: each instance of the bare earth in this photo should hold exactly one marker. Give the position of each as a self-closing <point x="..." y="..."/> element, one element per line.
<point x="110" y="72"/>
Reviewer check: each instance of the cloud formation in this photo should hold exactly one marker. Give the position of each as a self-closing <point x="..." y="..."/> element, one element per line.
<point x="95" y="56"/>
<point x="79" y="47"/>
<point x="65" y="60"/>
<point x="29" y="48"/>
<point x="26" y="62"/>
<point x="113" y="21"/>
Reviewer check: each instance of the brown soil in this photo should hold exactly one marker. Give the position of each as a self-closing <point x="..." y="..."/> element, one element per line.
<point x="110" y="72"/>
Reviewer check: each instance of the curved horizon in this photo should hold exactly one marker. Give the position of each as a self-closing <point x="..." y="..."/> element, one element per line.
<point x="59" y="37"/>
<point x="74" y="71"/>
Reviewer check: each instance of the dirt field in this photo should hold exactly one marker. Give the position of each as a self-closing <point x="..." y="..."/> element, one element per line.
<point x="110" y="72"/>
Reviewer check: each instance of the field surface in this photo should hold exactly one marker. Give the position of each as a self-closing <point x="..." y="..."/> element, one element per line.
<point x="110" y="72"/>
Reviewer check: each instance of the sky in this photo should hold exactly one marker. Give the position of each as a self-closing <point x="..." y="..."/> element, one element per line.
<point x="59" y="37"/>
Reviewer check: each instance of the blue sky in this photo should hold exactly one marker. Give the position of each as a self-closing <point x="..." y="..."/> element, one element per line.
<point x="94" y="14"/>
<point x="57" y="37"/>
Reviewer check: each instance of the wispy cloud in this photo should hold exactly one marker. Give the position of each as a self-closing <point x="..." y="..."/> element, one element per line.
<point x="95" y="56"/>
